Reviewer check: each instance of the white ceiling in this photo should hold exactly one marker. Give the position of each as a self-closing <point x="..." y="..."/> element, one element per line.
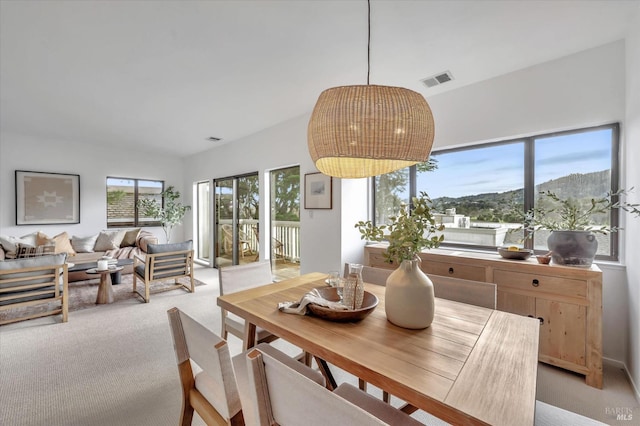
<point x="165" y="75"/>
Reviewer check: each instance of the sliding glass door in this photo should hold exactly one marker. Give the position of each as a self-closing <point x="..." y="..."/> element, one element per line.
<point x="237" y="207"/>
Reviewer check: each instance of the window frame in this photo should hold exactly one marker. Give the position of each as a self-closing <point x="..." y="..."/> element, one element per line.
<point x="136" y="219"/>
<point x="529" y="182"/>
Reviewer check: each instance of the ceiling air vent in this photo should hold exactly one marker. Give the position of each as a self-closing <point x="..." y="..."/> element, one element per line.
<point x="437" y="79"/>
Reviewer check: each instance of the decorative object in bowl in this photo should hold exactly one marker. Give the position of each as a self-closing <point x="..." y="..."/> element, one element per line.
<point x="515" y="253"/>
<point x="369" y="303"/>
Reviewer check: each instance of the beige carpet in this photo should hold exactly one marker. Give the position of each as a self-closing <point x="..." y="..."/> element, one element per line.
<point x="82" y="295"/>
<point x="114" y="365"/>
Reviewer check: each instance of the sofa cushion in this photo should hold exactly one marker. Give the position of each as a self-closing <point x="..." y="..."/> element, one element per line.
<point x="130" y="238"/>
<point x="165" y="248"/>
<point x="109" y="240"/>
<point x="84" y="244"/>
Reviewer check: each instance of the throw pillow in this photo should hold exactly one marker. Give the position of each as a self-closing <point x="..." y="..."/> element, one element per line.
<point x="61" y="242"/>
<point x="84" y="244"/>
<point x="42" y="239"/>
<point x="109" y="240"/>
<point x="9" y="243"/>
<point x="24" y="252"/>
<point x="130" y="238"/>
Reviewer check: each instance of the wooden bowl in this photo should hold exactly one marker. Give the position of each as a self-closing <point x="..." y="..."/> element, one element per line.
<point x="521" y="254"/>
<point x="369" y="303"/>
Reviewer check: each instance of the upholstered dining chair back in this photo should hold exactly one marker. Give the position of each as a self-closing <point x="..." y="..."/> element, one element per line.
<point x="283" y="396"/>
<point x="476" y="293"/>
<point x="212" y="392"/>
<point x="371" y="274"/>
<point x="242" y="277"/>
<point x="245" y="388"/>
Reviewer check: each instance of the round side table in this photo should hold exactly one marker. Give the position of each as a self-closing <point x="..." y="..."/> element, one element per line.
<point x="105" y="290"/>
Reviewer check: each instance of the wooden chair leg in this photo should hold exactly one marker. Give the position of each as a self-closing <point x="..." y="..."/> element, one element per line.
<point x="386" y="397"/>
<point x="362" y="385"/>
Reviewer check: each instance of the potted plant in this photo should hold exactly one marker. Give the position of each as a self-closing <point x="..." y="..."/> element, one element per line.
<point x="409" y="298"/>
<point x="170" y="215"/>
<point x="573" y="224"/>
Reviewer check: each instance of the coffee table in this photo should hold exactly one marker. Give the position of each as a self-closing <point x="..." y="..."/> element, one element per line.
<point x="105" y="291"/>
<point x="115" y="275"/>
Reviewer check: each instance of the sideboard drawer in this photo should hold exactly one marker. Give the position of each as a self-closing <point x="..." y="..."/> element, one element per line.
<point x="541" y="284"/>
<point x="465" y="272"/>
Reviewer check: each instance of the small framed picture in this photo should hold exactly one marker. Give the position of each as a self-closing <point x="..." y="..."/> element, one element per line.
<point x="318" y="191"/>
<point x="47" y="198"/>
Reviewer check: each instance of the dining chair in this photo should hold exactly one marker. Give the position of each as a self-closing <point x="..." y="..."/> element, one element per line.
<point x="476" y="293"/>
<point x="279" y="394"/>
<point x="371" y="274"/>
<point x="242" y="277"/>
<point x="212" y="392"/>
<point x="242" y="378"/>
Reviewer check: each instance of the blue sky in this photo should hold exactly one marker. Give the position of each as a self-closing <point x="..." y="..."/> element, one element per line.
<point x="499" y="168"/>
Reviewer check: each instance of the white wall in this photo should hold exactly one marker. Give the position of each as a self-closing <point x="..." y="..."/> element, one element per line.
<point x="631" y="158"/>
<point x="19" y="152"/>
<point x="583" y="89"/>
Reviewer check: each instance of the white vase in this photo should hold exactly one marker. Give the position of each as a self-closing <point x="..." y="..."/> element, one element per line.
<point x="409" y="297"/>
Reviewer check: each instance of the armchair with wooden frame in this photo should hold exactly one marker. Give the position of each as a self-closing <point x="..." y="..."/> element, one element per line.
<point x="38" y="281"/>
<point x="164" y="262"/>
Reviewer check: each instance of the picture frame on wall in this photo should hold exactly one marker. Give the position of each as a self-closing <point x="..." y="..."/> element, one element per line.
<point x="47" y="198"/>
<point x="318" y="191"/>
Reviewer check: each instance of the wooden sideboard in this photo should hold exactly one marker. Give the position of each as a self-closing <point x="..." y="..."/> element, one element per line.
<point x="566" y="300"/>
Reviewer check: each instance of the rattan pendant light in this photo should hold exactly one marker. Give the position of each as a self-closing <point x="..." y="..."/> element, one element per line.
<point x="368" y="130"/>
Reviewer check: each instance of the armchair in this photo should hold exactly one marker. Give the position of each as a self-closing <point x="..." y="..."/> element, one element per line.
<point x="164" y="262"/>
<point x="35" y="281"/>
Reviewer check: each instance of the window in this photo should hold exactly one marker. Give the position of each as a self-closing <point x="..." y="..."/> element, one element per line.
<point x="122" y="198"/>
<point x="474" y="188"/>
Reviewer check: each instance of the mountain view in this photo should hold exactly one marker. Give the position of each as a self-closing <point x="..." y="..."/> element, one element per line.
<point x="497" y="207"/>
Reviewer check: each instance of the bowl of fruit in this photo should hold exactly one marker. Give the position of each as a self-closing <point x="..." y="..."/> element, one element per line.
<point x="515" y="252"/>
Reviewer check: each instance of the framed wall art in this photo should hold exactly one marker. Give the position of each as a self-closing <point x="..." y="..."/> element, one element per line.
<point x="317" y="191"/>
<point x="47" y="198"/>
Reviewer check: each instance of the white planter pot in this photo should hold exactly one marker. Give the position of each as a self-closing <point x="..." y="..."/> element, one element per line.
<point x="409" y="297"/>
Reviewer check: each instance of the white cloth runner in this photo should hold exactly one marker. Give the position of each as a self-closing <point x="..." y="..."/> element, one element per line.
<point x="300" y="308"/>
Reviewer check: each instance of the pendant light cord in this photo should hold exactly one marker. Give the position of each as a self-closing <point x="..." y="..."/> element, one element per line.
<point x="368" y="39"/>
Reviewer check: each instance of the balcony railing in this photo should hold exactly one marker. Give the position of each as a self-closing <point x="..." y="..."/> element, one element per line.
<point x="286" y="237"/>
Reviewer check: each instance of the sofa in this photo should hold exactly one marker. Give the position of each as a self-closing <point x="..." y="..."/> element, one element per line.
<point x="118" y="244"/>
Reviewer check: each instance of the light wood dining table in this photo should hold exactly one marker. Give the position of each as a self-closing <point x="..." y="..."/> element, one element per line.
<point x="473" y="365"/>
